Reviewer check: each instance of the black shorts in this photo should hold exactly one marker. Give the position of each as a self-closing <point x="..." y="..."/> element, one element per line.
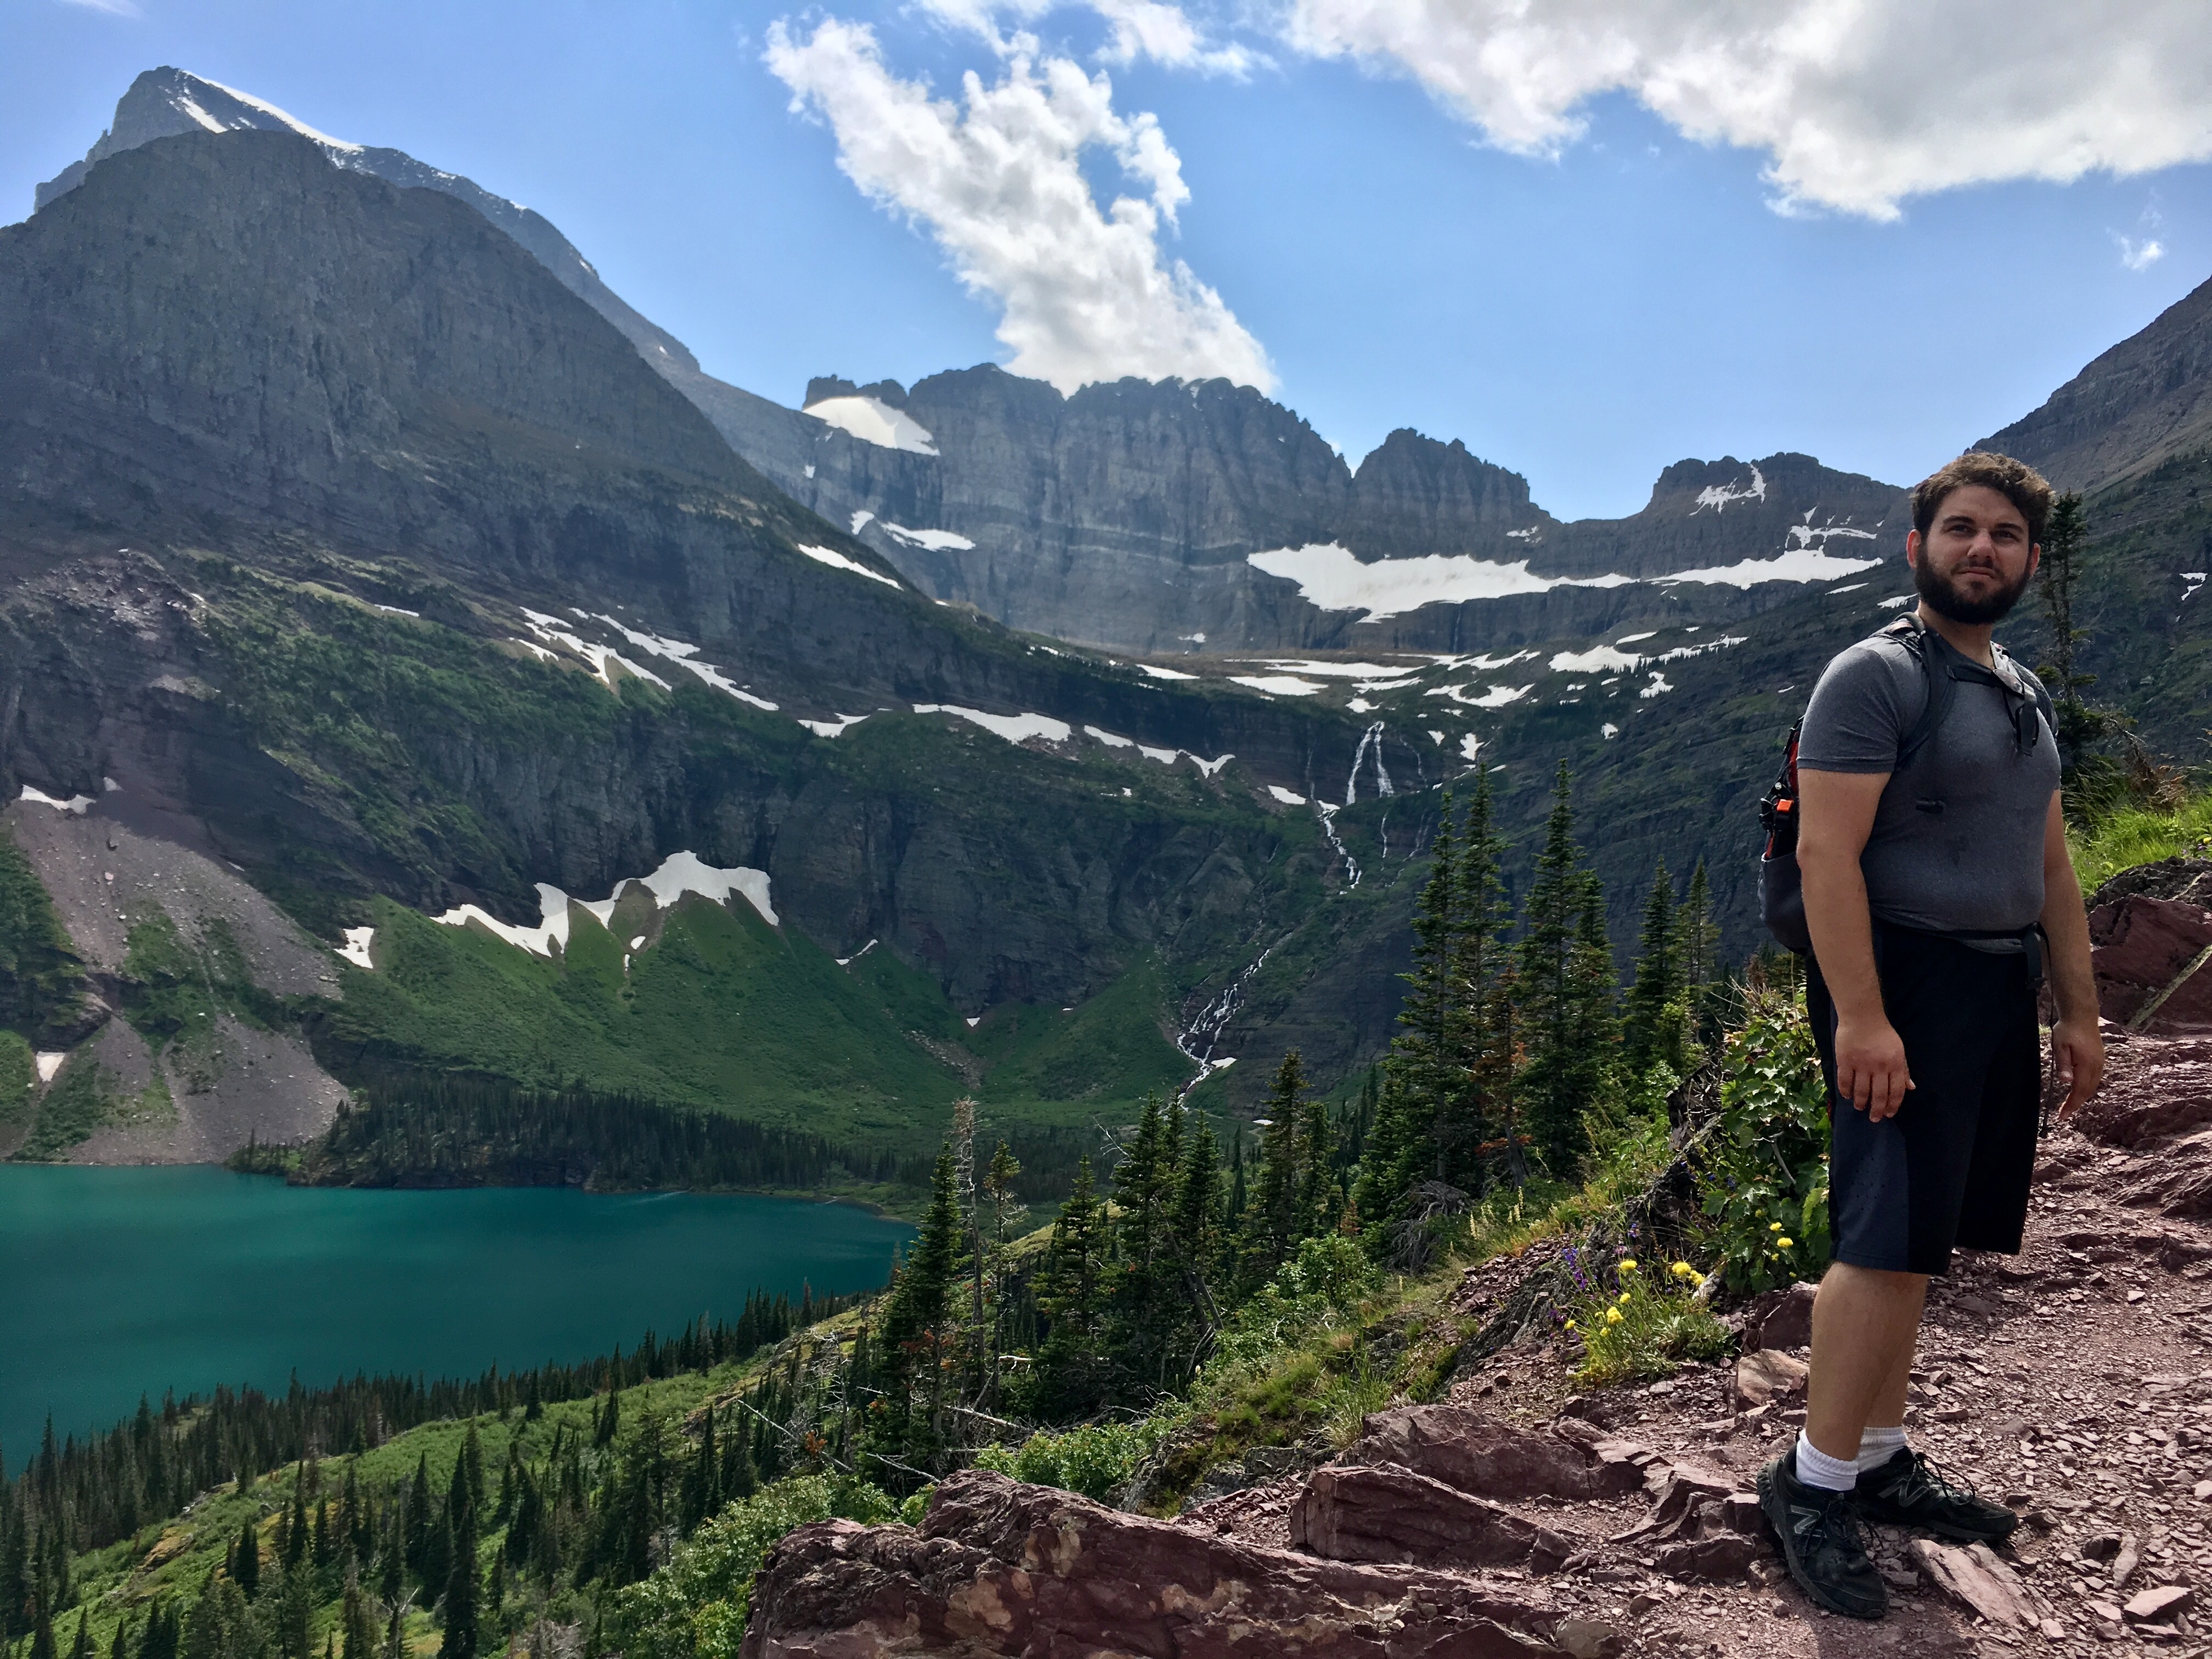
<point x="1951" y="1168"/>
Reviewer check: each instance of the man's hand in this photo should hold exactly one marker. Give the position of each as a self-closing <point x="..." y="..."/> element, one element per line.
<point x="2077" y="1054"/>
<point x="1870" y="1070"/>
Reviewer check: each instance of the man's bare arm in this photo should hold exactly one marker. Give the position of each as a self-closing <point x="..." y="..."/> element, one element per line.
<point x="2077" y="1047"/>
<point x="1837" y="812"/>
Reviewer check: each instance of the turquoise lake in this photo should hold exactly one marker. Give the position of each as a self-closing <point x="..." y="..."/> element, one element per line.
<point x="116" y="1283"/>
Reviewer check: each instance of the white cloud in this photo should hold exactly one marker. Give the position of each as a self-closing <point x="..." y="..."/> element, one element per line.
<point x="1858" y="104"/>
<point x="1083" y="295"/>
<point x="1157" y="29"/>
<point x="1149" y="29"/>
<point x="112" y="8"/>
<point x="2140" y="256"/>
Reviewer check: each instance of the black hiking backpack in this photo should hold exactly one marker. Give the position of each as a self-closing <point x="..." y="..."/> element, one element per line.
<point x="1781" y="894"/>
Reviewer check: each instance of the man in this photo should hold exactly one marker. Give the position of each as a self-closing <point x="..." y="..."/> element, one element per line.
<point x="1936" y="892"/>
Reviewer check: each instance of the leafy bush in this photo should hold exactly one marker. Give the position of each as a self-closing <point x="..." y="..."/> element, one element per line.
<point x="1764" y="1175"/>
<point x="1635" y="1324"/>
<point x="695" y="1607"/>
<point x="1094" y="1459"/>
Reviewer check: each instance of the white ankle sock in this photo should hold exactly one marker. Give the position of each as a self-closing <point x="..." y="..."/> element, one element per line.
<point x="1816" y="1468"/>
<point x="1878" y="1446"/>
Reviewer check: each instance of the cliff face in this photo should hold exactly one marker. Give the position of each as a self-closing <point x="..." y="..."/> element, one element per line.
<point x="371" y="561"/>
<point x="1127" y="516"/>
<point x="2147" y="401"/>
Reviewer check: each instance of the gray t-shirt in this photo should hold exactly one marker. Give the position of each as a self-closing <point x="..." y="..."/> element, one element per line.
<point x="1957" y="843"/>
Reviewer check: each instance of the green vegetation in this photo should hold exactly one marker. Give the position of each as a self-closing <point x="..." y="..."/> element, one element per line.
<point x="1634" y="1324"/>
<point x="41" y="981"/>
<point x="84" y="1096"/>
<point x="1763" y="1180"/>
<point x="723" y="1012"/>
<point x="695" y="1606"/>
<point x="19" y="1077"/>
<point x="2126" y="835"/>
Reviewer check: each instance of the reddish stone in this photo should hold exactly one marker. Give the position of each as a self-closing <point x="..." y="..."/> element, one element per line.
<point x="1003" y="1568"/>
<point x="1483" y="1456"/>
<point x="2139" y="945"/>
<point x="1385" y="1513"/>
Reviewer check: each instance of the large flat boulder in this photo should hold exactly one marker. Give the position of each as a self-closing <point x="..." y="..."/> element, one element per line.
<point x="2142" y="948"/>
<point x="1385" y="1513"/>
<point x="1487" y="1458"/>
<point x="998" y="1567"/>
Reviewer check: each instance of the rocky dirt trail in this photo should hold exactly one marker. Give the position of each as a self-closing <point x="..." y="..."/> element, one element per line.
<point x="2074" y="1382"/>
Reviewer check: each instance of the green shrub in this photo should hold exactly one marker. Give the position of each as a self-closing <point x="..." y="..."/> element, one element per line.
<point x="695" y="1607"/>
<point x="1095" y="1459"/>
<point x="1763" y="1178"/>
<point x="1636" y="1323"/>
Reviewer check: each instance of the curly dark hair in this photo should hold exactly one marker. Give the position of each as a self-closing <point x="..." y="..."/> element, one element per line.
<point x="2016" y="481"/>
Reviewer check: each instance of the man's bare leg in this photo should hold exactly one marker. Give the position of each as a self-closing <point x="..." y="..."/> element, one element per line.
<point x="1865" y="1323"/>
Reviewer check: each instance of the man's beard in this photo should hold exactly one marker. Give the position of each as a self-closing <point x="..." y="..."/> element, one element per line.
<point x="1946" y="601"/>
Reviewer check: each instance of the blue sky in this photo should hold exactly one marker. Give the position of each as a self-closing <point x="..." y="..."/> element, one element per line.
<point x="1583" y="290"/>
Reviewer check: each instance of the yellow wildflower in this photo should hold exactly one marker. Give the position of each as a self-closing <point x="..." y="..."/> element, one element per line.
<point x="1787" y="1244"/>
<point x="1624" y="1295"/>
<point x="1628" y="1265"/>
<point x="1774" y="1227"/>
<point x="1613" y="1315"/>
<point x="1571" y="1324"/>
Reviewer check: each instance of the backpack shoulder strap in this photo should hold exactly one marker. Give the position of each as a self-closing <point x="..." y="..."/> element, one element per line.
<point x="2042" y="694"/>
<point x="1913" y="635"/>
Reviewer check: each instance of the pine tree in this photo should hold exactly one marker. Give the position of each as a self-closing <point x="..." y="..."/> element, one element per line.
<point x="1697" y="949"/>
<point x="1070" y="1372"/>
<point x="81" y="1647"/>
<point x="420" y="1516"/>
<point x="1006" y="1207"/>
<point x="42" y="1635"/>
<point x="1564" y="1003"/>
<point x="1646" y="1038"/>
<point x="1440" y="1103"/>
<point x="353" y="1621"/>
<point x="918" y="1320"/>
<point x="2063" y="540"/>
<point x="1273" y="1223"/>
<point x="460" y="1600"/>
<point x="1196" y="1238"/>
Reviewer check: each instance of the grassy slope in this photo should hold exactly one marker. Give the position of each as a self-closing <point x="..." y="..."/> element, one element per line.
<point x="725" y="1012"/>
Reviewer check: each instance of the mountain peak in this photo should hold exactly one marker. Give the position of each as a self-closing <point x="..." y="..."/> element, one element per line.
<point x="167" y="102"/>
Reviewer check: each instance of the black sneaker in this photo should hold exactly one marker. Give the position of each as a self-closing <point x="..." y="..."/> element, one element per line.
<point x="1821" y="1542"/>
<point x="1911" y="1490"/>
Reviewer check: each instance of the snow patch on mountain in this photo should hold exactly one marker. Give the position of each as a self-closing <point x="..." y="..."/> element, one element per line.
<point x="1792" y="564"/>
<point x="874" y="421"/>
<point x="1498" y="696"/>
<point x="937" y="541"/>
<point x="1595" y="660"/>
<point x="356" y="948"/>
<point x="676" y="651"/>
<point x="1718" y="496"/>
<point x="75" y="804"/>
<point x="1276" y="685"/>
<point x="837" y="561"/>
<point x="601" y="658"/>
<point x="679" y="873"/>
<point x="836" y="726"/>
<point x="1331" y="577"/>
<point x="1014" y="728"/>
